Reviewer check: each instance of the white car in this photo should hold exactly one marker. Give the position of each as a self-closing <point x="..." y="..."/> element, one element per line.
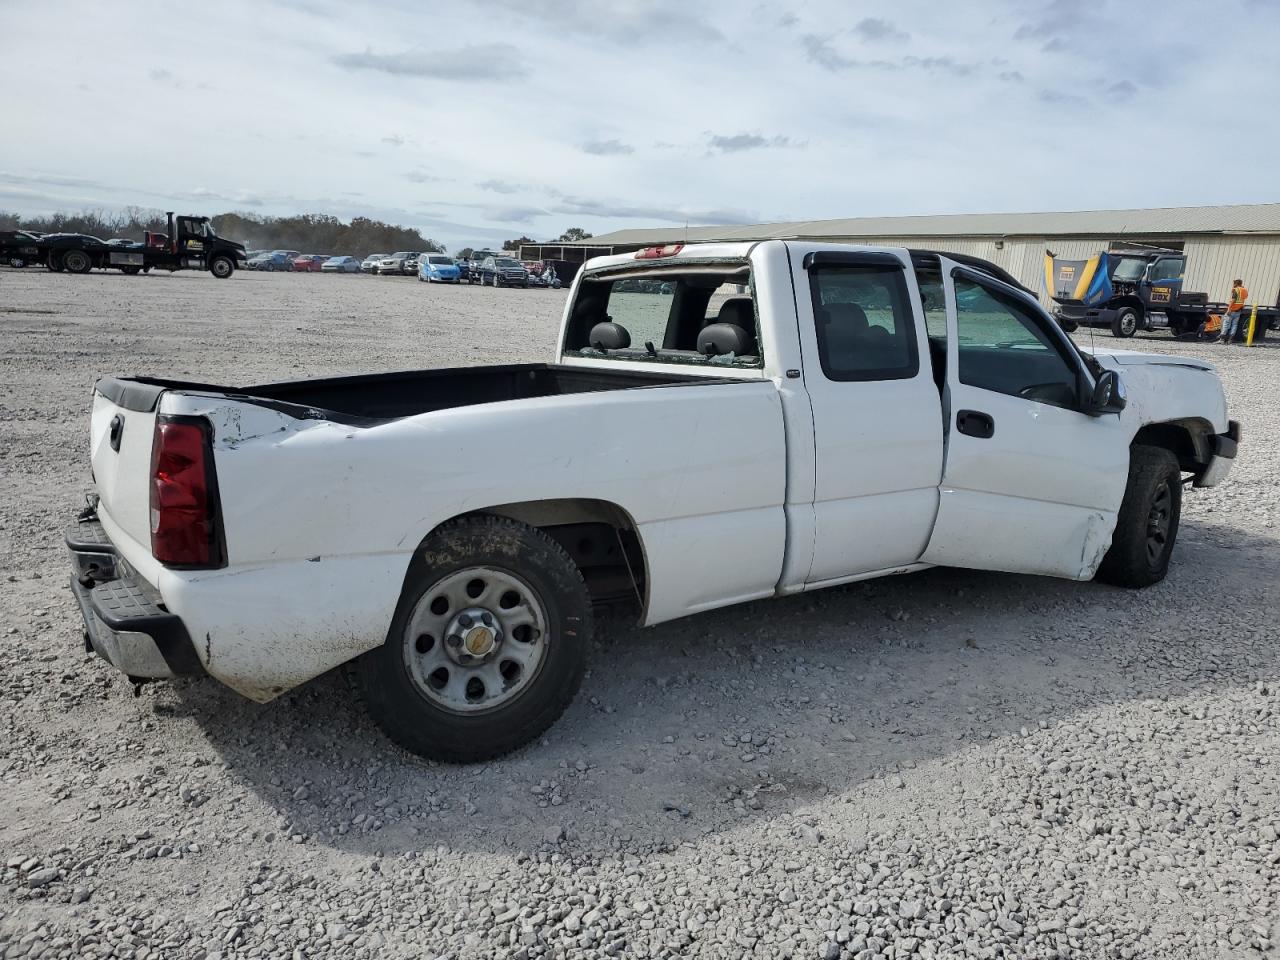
<point x="720" y="423"/>
<point x="370" y="263"/>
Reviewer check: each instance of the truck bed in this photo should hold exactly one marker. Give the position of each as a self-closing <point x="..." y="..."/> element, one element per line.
<point x="389" y="396"/>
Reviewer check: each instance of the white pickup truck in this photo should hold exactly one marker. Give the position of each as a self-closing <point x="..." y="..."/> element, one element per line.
<point x="721" y="423"/>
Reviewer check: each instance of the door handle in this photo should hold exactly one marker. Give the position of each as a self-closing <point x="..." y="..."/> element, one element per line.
<point x="974" y="424"/>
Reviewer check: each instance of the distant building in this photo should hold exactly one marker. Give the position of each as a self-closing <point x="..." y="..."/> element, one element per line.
<point x="1220" y="243"/>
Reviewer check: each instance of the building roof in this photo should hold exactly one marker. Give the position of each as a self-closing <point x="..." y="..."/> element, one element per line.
<point x="1161" y="221"/>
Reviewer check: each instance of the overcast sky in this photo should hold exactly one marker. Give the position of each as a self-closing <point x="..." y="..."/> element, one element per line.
<point x="481" y="122"/>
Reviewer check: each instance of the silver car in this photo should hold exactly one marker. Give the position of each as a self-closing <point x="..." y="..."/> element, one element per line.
<point x="397" y="263"/>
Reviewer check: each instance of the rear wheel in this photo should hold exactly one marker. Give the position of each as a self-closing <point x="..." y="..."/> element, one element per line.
<point x="1147" y="526"/>
<point x="1125" y="322"/>
<point x="77" y="261"/>
<point x="488" y="644"/>
<point x="222" y="267"/>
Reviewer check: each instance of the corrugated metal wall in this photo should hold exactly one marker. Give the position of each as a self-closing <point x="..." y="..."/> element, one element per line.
<point x="1214" y="262"/>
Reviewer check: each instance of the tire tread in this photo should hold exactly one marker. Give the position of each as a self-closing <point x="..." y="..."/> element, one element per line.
<point x="1125" y="563"/>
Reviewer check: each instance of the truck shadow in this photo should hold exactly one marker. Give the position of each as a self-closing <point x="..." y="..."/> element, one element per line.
<point x="695" y="726"/>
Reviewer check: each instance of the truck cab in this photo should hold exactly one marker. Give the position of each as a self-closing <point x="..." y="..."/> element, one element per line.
<point x="1145" y="283"/>
<point x="192" y="244"/>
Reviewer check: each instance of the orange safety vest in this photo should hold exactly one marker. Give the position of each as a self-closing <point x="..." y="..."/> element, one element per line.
<point x="1238" y="296"/>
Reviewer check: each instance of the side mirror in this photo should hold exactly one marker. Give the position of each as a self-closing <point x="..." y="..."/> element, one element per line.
<point x="1108" y="395"/>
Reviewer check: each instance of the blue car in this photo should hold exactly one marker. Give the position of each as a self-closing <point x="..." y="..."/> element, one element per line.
<point x="438" y="268"/>
<point x="271" y="262"/>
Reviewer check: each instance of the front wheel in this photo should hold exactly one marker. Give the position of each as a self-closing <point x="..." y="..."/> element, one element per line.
<point x="488" y="644"/>
<point x="1125" y="322"/>
<point x="222" y="267"/>
<point x="1147" y="525"/>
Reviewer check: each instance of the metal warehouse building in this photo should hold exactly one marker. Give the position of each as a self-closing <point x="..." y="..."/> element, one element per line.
<point x="1220" y="243"/>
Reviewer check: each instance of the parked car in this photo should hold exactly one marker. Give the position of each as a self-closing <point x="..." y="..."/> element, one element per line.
<point x="396" y="263"/>
<point x="370" y="263"/>
<point x="309" y="263"/>
<point x="340" y="265"/>
<point x="271" y="262"/>
<point x="464" y="269"/>
<point x="20" y="247"/>
<point x="503" y="272"/>
<point x="290" y="255"/>
<point x="411" y="263"/>
<point x="265" y="535"/>
<point x="438" y="268"/>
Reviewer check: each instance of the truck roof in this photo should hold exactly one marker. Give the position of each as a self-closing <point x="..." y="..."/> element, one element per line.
<point x="674" y="254"/>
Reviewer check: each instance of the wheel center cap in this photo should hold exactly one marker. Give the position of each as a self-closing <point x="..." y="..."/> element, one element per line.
<point x="478" y="641"/>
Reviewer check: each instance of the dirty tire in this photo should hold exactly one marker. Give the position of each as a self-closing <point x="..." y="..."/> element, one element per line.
<point x="222" y="267"/>
<point x="77" y="261"/>
<point x="1148" y="523"/>
<point x="1125" y="322"/>
<point x="426" y="728"/>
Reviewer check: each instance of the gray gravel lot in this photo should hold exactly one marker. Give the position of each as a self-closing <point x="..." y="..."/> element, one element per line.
<point x="952" y="764"/>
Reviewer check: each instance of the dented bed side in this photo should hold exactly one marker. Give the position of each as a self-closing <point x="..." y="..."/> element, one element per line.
<point x="321" y="519"/>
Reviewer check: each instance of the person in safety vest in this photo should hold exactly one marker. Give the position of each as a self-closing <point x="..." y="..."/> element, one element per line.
<point x="1235" y="310"/>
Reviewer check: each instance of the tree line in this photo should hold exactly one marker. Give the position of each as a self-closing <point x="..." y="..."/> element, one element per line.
<point x="307" y="232"/>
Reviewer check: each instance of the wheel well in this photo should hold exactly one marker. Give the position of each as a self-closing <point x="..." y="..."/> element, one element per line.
<point x="1128" y="301"/>
<point x="1188" y="440"/>
<point x="600" y="537"/>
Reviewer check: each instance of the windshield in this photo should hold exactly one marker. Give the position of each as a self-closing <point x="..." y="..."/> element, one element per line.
<point x="1129" y="268"/>
<point x="443" y="260"/>
<point x="659" y="315"/>
<point x="402" y="253"/>
<point x="507" y="262"/>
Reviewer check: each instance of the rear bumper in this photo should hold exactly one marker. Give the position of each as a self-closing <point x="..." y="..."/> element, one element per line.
<point x="125" y="621"/>
<point x="1224" y="446"/>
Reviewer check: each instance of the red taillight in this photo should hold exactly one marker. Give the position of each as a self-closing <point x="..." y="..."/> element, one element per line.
<point x="656" y="253"/>
<point x="183" y="501"/>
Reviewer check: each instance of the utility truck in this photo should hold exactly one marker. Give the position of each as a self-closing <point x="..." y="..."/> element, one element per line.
<point x="720" y="423"/>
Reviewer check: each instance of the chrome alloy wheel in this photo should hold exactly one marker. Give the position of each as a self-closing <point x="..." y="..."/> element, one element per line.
<point x="476" y="639"/>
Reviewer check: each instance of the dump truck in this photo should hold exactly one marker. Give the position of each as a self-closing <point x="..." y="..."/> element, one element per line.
<point x="1134" y="288"/>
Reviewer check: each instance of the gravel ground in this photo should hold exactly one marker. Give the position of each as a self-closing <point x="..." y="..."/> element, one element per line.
<point x="952" y="764"/>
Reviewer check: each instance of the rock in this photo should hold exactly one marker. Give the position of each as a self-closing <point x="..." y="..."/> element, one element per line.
<point x="42" y="878"/>
<point x="830" y="951"/>
<point x="553" y="834"/>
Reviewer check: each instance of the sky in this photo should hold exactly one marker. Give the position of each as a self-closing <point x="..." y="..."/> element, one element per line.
<point x="480" y="122"/>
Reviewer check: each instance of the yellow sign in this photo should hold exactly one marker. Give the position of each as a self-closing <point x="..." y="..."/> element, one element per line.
<point x="1160" y="294"/>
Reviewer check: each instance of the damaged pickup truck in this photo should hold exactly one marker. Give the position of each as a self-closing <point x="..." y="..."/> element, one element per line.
<point x="720" y="423"/>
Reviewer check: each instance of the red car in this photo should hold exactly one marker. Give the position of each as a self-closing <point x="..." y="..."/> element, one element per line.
<point x="309" y="263"/>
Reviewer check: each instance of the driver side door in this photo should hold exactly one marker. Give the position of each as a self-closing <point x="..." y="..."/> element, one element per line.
<point x="1031" y="483"/>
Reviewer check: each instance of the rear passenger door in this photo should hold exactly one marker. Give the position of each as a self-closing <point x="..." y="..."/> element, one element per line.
<point x="877" y="415"/>
<point x="1032" y="484"/>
